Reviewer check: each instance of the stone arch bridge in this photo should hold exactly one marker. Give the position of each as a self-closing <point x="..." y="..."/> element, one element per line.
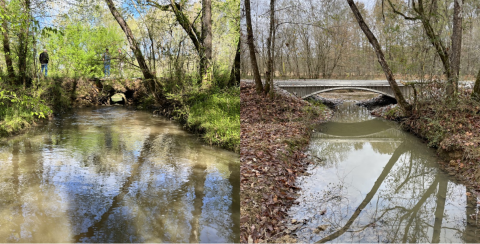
<point x="306" y="88"/>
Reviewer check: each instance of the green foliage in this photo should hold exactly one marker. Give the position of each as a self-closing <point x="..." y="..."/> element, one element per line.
<point x="19" y="109"/>
<point x="76" y="50"/>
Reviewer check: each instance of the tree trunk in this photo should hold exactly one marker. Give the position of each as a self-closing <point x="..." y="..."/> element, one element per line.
<point x="200" y="172"/>
<point x="434" y="39"/>
<point x="6" y="44"/>
<point x="251" y="47"/>
<point x="270" y="52"/>
<point x="439" y="210"/>
<point x="206" y="60"/>
<point x="235" y="72"/>
<point x="456" y="46"/>
<point x="23" y="45"/>
<point x="381" y="59"/>
<point x="150" y="81"/>
<point x="476" y="88"/>
<point x="198" y="39"/>
<point x="381" y="178"/>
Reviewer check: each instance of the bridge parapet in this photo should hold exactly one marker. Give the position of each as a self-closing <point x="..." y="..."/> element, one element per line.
<point x="304" y="91"/>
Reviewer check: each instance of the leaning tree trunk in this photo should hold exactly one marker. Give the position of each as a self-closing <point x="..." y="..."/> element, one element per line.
<point x="435" y="39"/>
<point x="476" y="88"/>
<point x="251" y="47"/>
<point x="439" y="46"/>
<point x="381" y="59"/>
<point x="150" y="81"/>
<point x="452" y="86"/>
<point x="6" y="44"/>
<point x="235" y="72"/>
<point x="206" y="59"/>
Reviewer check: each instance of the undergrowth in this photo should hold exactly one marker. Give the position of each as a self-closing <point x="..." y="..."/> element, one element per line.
<point x="21" y="107"/>
<point x="447" y="123"/>
<point x="210" y="109"/>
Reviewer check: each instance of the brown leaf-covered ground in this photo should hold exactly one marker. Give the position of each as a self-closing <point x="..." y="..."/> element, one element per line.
<point x="274" y="135"/>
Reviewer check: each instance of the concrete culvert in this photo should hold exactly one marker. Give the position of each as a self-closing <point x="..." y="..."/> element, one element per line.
<point x="118" y="98"/>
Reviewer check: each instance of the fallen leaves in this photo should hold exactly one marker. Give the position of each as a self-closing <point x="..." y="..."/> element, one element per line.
<point x="274" y="133"/>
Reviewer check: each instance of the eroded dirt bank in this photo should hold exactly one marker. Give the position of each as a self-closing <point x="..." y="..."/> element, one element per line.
<point x="274" y="135"/>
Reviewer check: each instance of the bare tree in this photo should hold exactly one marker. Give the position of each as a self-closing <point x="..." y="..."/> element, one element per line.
<point x="456" y="45"/>
<point x="251" y="47"/>
<point x="381" y="59"/>
<point x="451" y="65"/>
<point x="201" y="40"/>
<point x="270" y="50"/>
<point x="150" y="81"/>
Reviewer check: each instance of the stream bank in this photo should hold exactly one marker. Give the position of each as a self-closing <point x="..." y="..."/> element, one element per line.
<point x="211" y="113"/>
<point x="378" y="183"/>
<point x="452" y="128"/>
<point x="274" y="135"/>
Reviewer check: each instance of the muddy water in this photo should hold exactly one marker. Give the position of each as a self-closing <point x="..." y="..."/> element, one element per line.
<point x="376" y="183"/>
<point x="116" y="175"/>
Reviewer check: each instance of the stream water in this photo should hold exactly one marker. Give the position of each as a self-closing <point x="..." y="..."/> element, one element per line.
<point x="377" y="183"/>
<point x="110" y="174"/>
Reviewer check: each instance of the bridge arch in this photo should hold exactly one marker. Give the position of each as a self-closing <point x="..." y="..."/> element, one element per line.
<point x="349" y="88"/>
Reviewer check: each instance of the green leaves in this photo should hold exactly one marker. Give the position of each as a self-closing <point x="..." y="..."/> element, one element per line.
<point x="75" y="50"/>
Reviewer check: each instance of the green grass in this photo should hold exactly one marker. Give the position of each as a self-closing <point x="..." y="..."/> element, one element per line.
<point x="216" y="113"/>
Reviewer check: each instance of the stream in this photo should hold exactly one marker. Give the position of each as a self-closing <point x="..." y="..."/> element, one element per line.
<point x="373" y="182"/>
<point x="112" y="174"/>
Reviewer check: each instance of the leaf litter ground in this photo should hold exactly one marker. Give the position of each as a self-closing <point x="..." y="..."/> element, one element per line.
<point x="275" y="132"/>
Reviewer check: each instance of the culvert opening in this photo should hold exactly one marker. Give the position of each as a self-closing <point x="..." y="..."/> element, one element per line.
<point x="118" y="98"/>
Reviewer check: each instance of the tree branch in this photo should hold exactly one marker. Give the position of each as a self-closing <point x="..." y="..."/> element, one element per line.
<point x="400" y="13"/>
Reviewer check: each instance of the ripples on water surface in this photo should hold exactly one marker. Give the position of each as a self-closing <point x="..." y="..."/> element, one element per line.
<point x="116" y="175"/>
<point x="377" y="183"/>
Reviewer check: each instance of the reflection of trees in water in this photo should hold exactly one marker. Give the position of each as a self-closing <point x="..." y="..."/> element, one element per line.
<point x="411" y="201"/>
<point x="367" y="198"/>
<point x="330" y="153"/>
<point x="384" y="147"/>
<point x="21" y="205"/>
<point x="334" y="153"/>
<point x="118" y="187"/>
<point x="348" y="112"/>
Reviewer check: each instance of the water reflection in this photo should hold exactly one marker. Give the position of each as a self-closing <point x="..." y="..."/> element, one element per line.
<point x="116" y="175"/>
<point x="379" y="184"/>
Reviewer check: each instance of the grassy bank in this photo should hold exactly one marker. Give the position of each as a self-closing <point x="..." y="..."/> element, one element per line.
<point x="450" y="126"/>
<point x="213" y="112"/>
<point x="274" y="134"/>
